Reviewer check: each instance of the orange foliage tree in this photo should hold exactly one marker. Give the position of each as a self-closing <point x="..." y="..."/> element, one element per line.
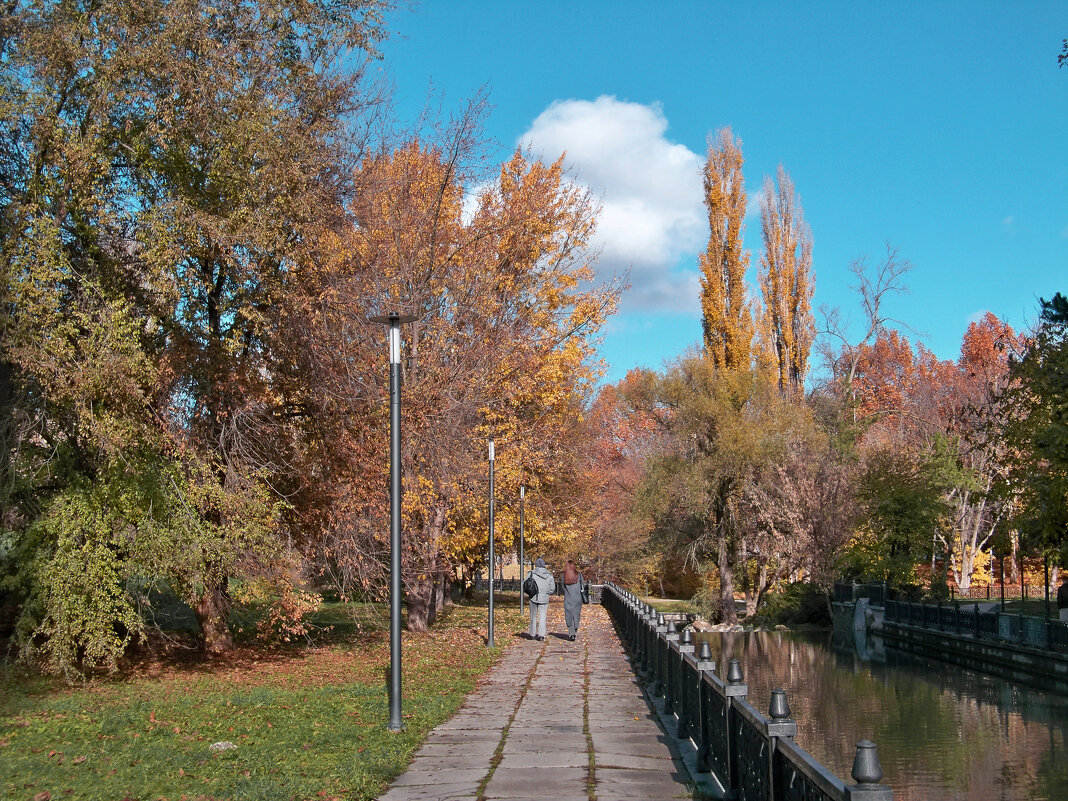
<point x="502" y="348"/>
<point x="943" y="413"/>
<point x="626" y="430"/>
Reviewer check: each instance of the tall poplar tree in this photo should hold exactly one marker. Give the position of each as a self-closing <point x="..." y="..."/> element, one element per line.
<point x="726" y="314"/>
<point x="786" y="281"/>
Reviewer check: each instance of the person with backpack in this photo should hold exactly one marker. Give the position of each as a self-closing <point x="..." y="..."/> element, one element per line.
<point x="575" y="592"/>
<point x="539" y="604"/>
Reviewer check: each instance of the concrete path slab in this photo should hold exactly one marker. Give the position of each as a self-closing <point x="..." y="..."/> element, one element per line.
<point x="555" y="719"/>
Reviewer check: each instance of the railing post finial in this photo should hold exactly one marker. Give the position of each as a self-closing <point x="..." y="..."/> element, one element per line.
<point x="866" y="773"/>
<point x="734" y="672"/>
<point x="866" y="767"/>
<point x="779" y="708"/>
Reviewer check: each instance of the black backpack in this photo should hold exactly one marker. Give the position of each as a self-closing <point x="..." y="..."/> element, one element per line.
<point x="530" y="587"/>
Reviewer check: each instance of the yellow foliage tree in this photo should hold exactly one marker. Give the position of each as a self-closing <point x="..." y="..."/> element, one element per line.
<point x="726" y="312"/>
<point x="503" y="346"/>
<point x="787" y="327"/>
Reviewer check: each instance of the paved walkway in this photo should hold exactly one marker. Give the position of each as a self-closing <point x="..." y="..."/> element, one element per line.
<point x="552" y="721"/>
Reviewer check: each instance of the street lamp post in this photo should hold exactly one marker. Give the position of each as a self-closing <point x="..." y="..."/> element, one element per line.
<point x="489" y="637"/>
<point x="522" y="595"/>
<point x="394" y="320"/>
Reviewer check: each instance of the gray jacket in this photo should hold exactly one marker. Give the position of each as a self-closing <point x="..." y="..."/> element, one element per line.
<point x="573" y="595"/>
<point x="546" y="585"/>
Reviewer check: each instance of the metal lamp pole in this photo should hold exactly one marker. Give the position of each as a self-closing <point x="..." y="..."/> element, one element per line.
<point x="393" y="320"/>
<point x="522" y="595"/>
<point x="489" y="637"/>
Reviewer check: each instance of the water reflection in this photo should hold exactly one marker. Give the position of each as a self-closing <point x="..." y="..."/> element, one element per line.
<point x="945" y="733"/>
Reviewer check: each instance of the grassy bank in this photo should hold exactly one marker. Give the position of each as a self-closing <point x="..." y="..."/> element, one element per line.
<point x="670" y="605"/>
<point x="308" y="722"/>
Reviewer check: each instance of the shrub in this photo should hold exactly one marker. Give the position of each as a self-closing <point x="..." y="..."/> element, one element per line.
<point x="798" y="603"/>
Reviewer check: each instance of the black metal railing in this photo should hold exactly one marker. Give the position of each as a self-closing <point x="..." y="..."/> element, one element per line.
<point x="877" y="593"/>
<point x="880" y="592"/>
<point x="499" y="585"/>
<point x="481" y="584"/>
<point x="967" y="619"/>
<point x="750" y="756"/>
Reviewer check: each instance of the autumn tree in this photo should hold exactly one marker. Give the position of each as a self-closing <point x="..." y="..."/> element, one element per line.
<point x="725" y="428"/>
<point x="727" y="318"/>
<point x="983" y="377"/>
<point x="164" y="167"/>
<point x="786" y="282"/>
<point x="798" y="510"/>
<point x="625" y="433"/>
<point x="841" y="348"/>
<point x="502" y="348"/>
<point x="944" y="413"/>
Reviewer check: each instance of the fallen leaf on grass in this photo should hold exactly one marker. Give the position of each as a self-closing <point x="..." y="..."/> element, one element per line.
<point x="78" y="760"/>
<point x="45" y="796"/>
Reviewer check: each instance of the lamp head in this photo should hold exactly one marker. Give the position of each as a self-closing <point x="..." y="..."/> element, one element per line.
<point x="393" y="320"/>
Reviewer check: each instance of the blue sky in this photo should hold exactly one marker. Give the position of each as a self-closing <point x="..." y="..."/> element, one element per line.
<point x="940" y="128"/>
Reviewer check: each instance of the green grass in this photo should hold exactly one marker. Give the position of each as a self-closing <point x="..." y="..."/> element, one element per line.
<point x="308" y="722"/>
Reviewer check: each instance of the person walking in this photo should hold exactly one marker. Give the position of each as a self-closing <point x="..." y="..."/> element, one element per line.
<point x="539" y="604"/>
<point x="574" y="584"/>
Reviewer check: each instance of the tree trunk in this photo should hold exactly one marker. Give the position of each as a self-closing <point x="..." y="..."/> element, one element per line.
<point x="1014" y="560"/>
<point x="752" y="602"/>
<point x="432" y="611"/>
<point x="742" y="560"/>
<point x="420" y="592"/>
<point x="728" y="612"/>
<point x="446" y="589"/>
<point x="212" y="611"/>
<point x="440" y="590"/>
<point x="421" y="611"/>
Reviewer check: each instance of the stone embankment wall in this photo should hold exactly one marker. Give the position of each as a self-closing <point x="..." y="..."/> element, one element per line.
<point x="860" y="622"/>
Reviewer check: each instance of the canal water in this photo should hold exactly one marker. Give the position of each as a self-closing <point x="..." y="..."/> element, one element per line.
<point x="944" y="733"/>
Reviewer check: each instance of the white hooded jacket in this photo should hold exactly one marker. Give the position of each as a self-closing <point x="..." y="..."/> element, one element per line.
<point x="546" y="585"/>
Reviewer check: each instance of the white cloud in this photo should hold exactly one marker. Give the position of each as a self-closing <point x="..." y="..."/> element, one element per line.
<point x="752" y="206"/>
<point x="650" y="189"/>
<point x="472" y="198"/>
